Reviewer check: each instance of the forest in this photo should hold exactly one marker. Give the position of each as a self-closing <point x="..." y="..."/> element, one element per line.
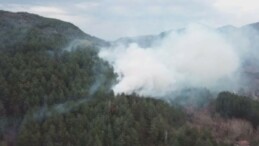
<point x="58" y="98"/>
<point x="52" y="95"/>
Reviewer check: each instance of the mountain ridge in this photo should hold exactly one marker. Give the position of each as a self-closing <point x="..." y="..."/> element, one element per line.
<point x="24" y="29"/>
<point x="65" y="98"/>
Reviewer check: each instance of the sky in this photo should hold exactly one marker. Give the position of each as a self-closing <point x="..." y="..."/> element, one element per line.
<point x="112" y="19"/>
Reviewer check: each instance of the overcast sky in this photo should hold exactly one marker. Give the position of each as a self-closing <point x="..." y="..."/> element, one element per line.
<point x="111" y="19"/>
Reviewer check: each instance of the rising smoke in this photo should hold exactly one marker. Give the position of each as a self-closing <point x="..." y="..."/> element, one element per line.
<point x="198" y="57"/>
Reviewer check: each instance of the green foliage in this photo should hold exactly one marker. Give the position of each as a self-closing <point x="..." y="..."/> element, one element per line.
<point x="24" y="31"/>
<point x="192" y="137"/>
<point x="45" y="94"/>
<point x="195" y="97"/>
<point x="115" y="121"/>
<point x="30" y="78"/>
<point x="231" y="105"/>
<point x="110" y="121"/>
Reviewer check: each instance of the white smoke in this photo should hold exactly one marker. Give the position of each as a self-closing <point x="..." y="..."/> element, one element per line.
<point x="196" y="57"/>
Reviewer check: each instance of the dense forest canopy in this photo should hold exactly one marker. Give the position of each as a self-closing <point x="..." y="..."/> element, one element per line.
<point x="56" y="91"/>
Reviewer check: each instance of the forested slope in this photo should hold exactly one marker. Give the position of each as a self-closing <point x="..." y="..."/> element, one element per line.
<point x="56" y="91"/>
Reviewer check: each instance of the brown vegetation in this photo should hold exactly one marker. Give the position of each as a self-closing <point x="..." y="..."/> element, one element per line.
<point x="223" y="130"/>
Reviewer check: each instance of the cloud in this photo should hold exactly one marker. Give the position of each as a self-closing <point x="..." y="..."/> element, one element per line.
<point x="131" y="18"/>
<point x="233" y="6"/>
<point x="90" y="5"/>
<point x="46" y="11"/>
<point x="117" y="18"/>
<point x="238" y="12"/>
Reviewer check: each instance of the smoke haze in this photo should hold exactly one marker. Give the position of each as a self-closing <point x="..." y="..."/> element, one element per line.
<point x="196" y="57"/>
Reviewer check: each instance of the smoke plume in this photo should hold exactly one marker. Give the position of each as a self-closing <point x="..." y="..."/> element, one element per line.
<point x="196" y="57"/>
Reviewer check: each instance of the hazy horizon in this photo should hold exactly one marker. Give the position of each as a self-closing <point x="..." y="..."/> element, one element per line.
<point x="111" y="20"/>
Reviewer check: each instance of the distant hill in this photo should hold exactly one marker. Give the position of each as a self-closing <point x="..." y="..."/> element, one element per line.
<point x="227" y="28"/>
<point x="25" y="30"/>
<point x="253" y="25"/>
<point x="144" y="41"/>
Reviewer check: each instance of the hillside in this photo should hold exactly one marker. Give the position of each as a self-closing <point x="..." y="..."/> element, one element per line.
<point x="38" y="71"/>
<point x="51" y="96"/>
<point x="20" y="30"/>
<point x="143" y="41"/>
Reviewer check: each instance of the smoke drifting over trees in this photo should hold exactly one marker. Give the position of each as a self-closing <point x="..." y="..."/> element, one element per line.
<point x="198" y="57"/>
<point x="52" y="96"/>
